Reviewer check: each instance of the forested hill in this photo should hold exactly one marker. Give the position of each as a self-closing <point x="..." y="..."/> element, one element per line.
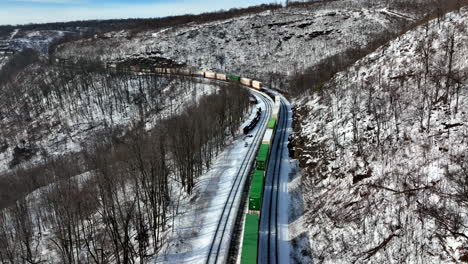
<point x="272" y="44"/>
<point x="384" y="150"/>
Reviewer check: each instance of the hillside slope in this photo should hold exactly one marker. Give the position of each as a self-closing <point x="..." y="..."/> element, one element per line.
<point x="277" y="41"/>
<point x="54" y="111"/>
<point x="384" y="146"/>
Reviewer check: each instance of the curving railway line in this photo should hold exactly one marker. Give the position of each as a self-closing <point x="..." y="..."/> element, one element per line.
<point x="269" y="249"/>
<point x="221" y="240"/>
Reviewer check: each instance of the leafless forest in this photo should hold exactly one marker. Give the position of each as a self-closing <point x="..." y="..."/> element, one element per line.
<point x="109" y="201"/>
<point x="383" y="147"/>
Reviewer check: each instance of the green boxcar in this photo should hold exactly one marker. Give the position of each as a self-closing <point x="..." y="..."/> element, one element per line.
<point x="234" y="78"/>
<point x="262" y="157"/>
<point x="256" y="190"/>
<point x="250" y="243"/>
<point x="272" y="123"/>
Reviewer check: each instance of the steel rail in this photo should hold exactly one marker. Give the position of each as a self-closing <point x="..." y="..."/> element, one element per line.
<point x="215" y="247"/>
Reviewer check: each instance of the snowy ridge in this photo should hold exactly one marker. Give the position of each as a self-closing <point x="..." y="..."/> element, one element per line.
<point x="280" y="41"/>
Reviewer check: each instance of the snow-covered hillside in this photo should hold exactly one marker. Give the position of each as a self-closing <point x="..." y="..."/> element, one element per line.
<point x="385" y="150"/>
<point x="279" y="41"/>
<point x="38" y="40"/>
<point x="56" y="122"/>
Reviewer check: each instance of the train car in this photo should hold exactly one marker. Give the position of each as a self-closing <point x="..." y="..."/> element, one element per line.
<point x="112" y="67"/>
<point x="257" y="85"/>
<point x="275" y="111"/>
<point x="123" y="68"/>
<point x="277" y="100"/>
<point x="276" y="107"/>
<point x="234" y="78"/>
<point x="272" y="123"/>
<point x="220" y="76"/>
<point x="172" y="70"/>
<point x="159" y="70"/>
<point x="256" y="191"/>
<point x="249" y="251"/>
<point x="185" y="72"/>
<point x="246" y="82"/>
<point x="146" y="69"/>
<point x="199" y="74"/>
<point x="210" y="75"/>
<point x="268" y="137"/>
<point x="250" y="242"/>
<point x="135" y="68"/>
<point x="262" y="157"/>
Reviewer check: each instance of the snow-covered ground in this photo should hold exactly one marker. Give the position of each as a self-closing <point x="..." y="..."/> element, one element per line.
<point x="384" y="151"/>
<point x="192" y="231"/>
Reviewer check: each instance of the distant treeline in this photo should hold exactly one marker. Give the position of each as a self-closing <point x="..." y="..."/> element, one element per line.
<point x="140" y="24"/>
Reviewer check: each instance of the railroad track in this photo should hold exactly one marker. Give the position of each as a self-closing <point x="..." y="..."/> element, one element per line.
<point x="229" y="212"/>
<point x="269" y="226"/>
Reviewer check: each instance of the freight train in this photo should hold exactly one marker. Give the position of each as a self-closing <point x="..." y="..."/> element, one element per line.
<point x="252" y="219"/>
<point x="210" y="75"/>
<point x="176" y="71"/>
